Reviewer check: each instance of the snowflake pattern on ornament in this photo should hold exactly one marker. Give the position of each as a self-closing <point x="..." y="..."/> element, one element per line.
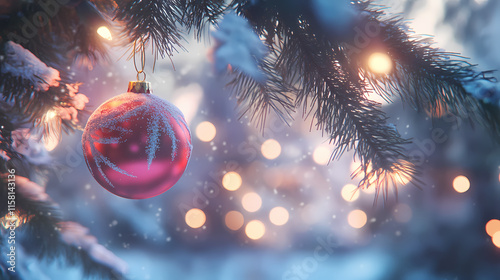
<point x="160" y="114"/>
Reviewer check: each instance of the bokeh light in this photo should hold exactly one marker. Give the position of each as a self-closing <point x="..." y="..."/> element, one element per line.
<point x="402" y="213"/>
<point x="321" y="155"/>
<point x="195" y="218"/>
<point x="255" y="229"/>
<point x="380" y="63"/>
<point x="271" y="149"/>
<point x="496" y="239"/>
<point x="206" y="131"/>
<point x="279" y="216"/>
<point x="251" y="202"/>
<point x="357" y="218"/>
<point x="234" y="220"/>
<point x="350" y="192"/>
<point x="104" y="32"/>
<point x="461" y="184"/>
<point x="231" y="181"/>
<point x="492" y="227"/>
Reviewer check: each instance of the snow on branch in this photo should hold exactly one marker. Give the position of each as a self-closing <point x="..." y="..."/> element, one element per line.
<point x="62" y="237"/>
<point x="239" y="47"/>
<point x="20" y="62"/>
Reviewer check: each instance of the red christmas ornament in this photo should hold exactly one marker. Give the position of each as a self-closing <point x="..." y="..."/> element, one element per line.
<point x="137" y="145"/>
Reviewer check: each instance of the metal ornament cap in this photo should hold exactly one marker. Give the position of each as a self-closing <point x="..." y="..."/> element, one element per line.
<point x="139" y="87"/>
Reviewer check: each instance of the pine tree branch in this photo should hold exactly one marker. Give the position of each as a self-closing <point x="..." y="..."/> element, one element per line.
<point x="47" y="236"/>
<point x="197" y="14"/>
<point x="428" y="78"/>
<point x="258" y="98"/>
<point x="342" y="110"/>
<point x="154" y="21"/>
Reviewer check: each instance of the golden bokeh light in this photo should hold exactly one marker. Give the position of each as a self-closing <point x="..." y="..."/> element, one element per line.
<point x="251" y="202"/>
<point x="357" y="218"/>
<point x="279" y="216"/>
<point x="461" y="184"/>
<point x="205" y="131"/>
<point x="234" y="220"/>
<point x="350" y="192"/>
<point x="321" y="155"/>
<point x="270" y="149"/>
<point x="195" y="218"/>
<point x="496" y="239"/>
<point x="492" y="227"/>
<point x="104" y="32"/>
<point x="231" y="181"/>
<point x="255" y="229"/>
<point x="380" y="63"/>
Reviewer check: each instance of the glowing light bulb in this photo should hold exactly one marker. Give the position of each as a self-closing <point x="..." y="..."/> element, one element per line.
<point x="234" y="220"/>
<point x="380" y="63"/>
<point x="350" y="192"/>
<point x="231" y="181"/>
<point x="251" y="202"/>
<point x="357" y="219"/>
<point x="104" y="32"/>
<point x="206" y="131"/>
<point x="461" y="184"/>
<point x="279" y="216"/>
<point x="52" y="137"/>
<point x="195" y="218"/>
<point x="271" y="149"/>
<point x="255" y="229"/>
<point x="50" y="115"/>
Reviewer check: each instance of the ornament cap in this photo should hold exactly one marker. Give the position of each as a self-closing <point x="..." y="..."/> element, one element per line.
<point x="139" y="87"/>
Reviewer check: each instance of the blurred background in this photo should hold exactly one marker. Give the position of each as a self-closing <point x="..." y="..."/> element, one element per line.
<point x="255" y="205"/>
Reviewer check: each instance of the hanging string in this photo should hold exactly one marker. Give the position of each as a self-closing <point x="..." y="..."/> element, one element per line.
<point x="142" y="50"/>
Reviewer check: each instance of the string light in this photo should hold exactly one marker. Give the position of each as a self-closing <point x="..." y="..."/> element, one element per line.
<point x="271" y="149"/>
<point x="380" y="63"/>
<point x="104" y="32"/>
<point x="206" y="131"/>
<point x="51" y="114"/>
<point x="234" y="220"/>
<point x="52" y="135"/>
<point x="279" y="216"/>
<point x="231" y="181"/>
<point x="357" y="218"/>
<point x="251" y="202"/>
<point x="195" y="218"/>
<point x="255" y="229"/>
<point x="461" y="184"/>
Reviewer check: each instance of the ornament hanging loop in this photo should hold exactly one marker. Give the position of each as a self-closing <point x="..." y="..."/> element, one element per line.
<point x="140" y="86"/>
<point x="144" y="75"/>
<point x="142" y="51"/>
